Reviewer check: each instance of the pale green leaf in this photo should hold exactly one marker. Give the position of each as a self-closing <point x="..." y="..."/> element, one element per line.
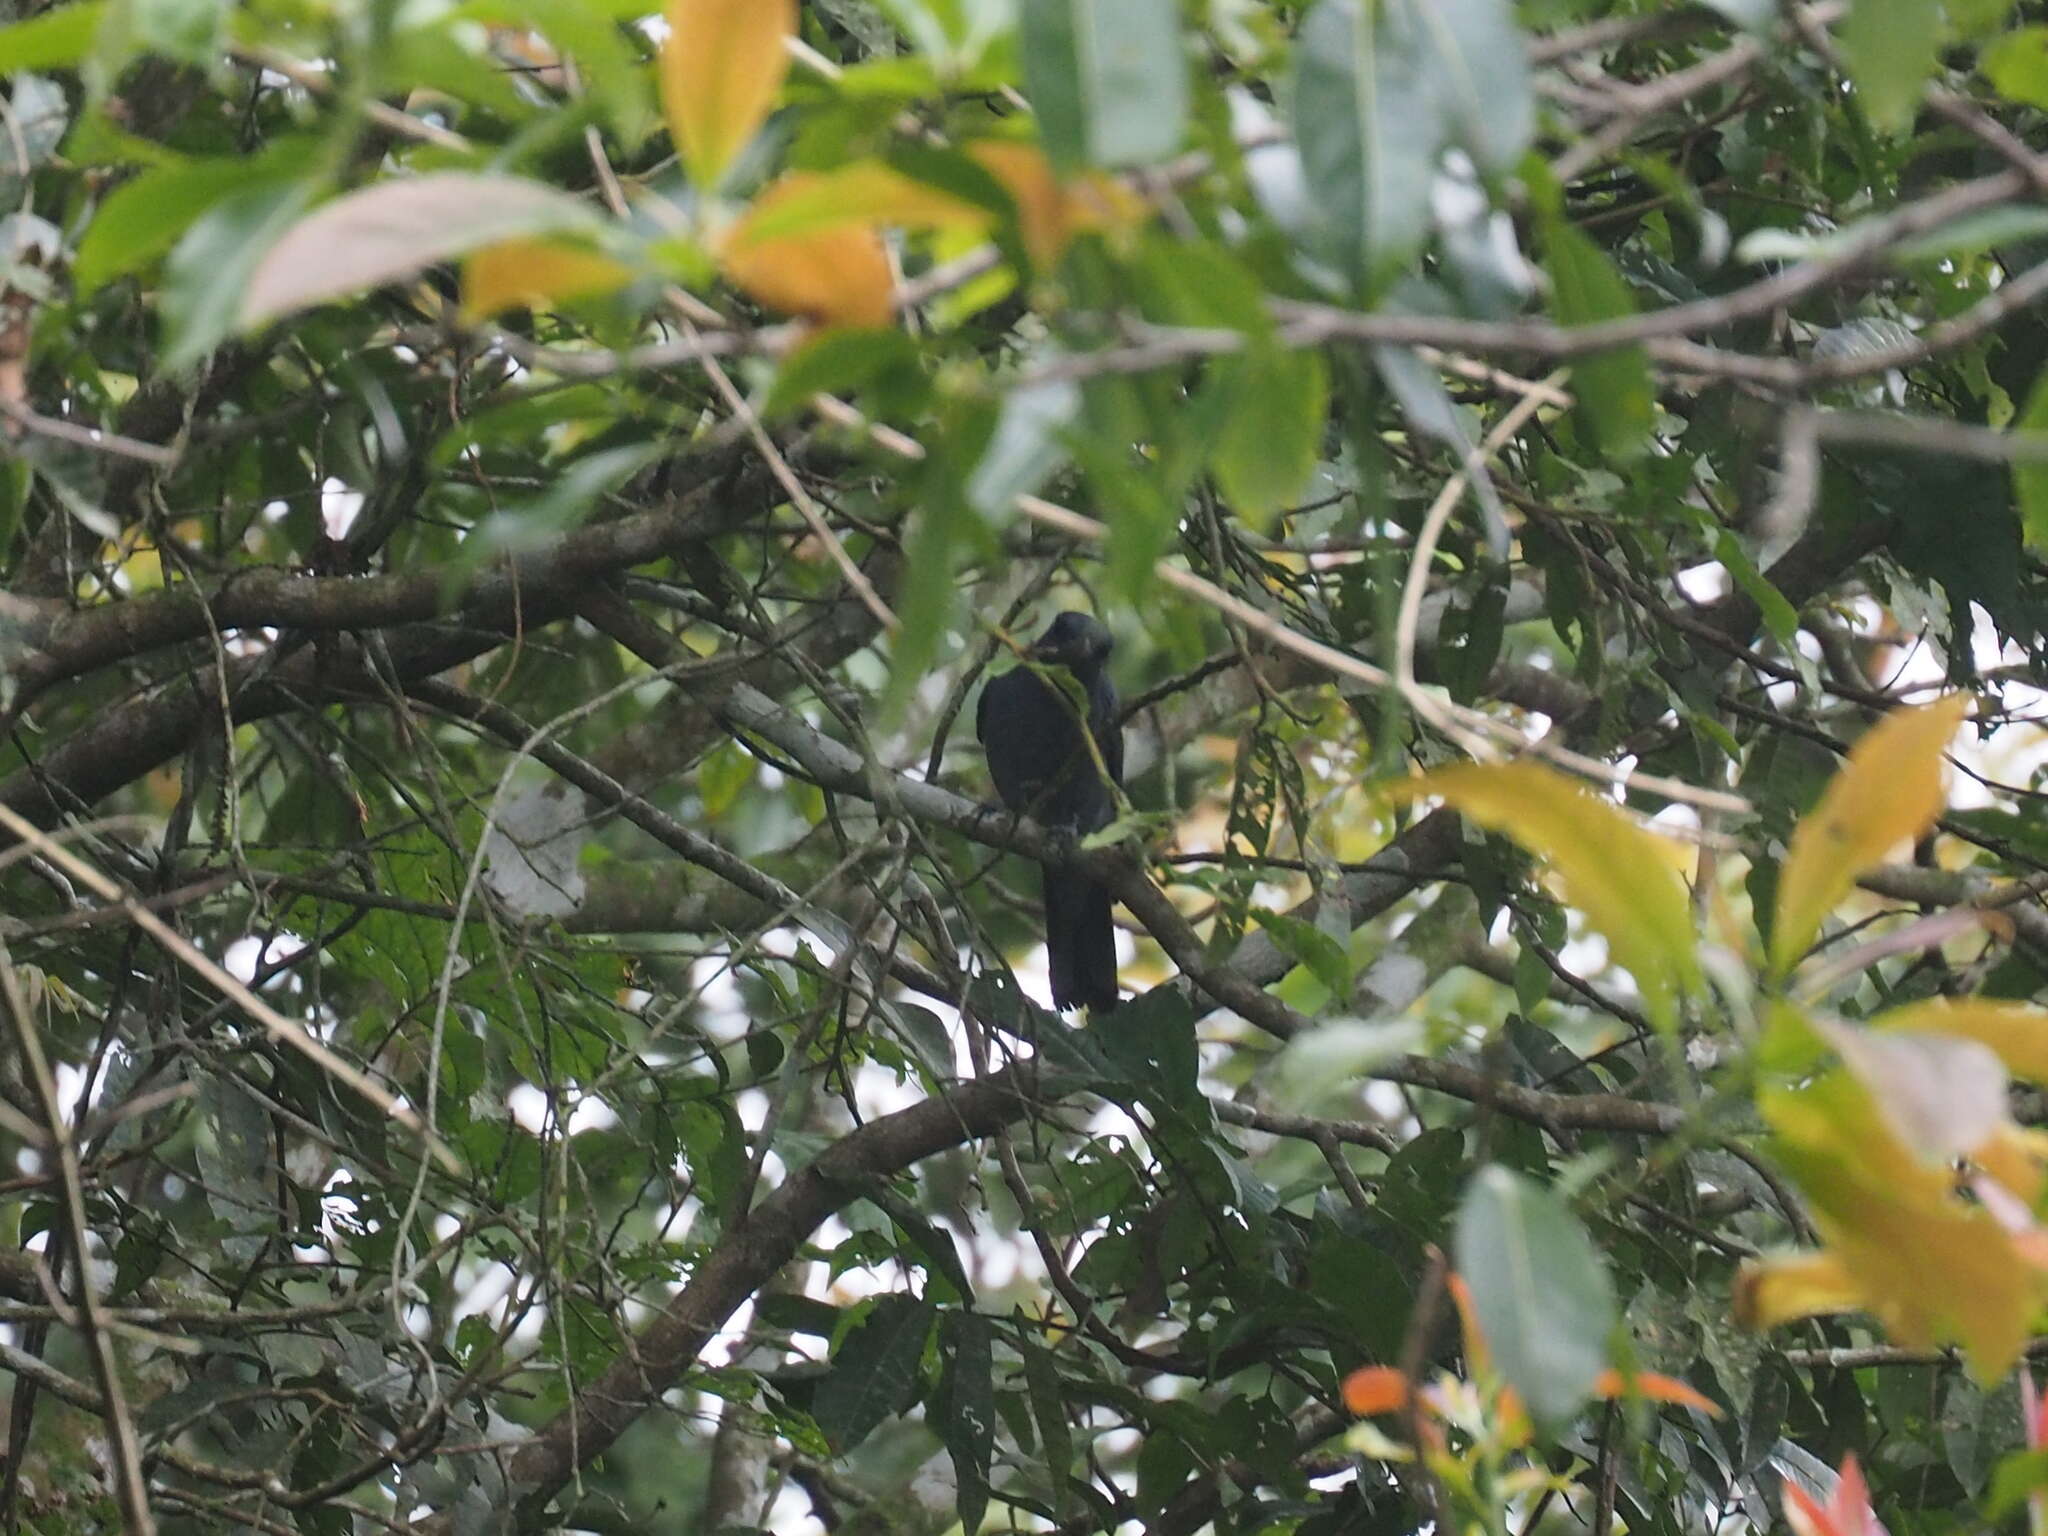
<point x="1891" y="47"/>
<point x="1108" y="79"/>
<point x="1369" y="131"/>
<point x="1539" y="1292"/>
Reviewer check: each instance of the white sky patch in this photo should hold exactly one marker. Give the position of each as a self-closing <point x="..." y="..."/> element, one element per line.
<point x="1678" y="820"/>
<point x="249" y="954"/>
<point x="248" y="642"/>
<point x="1704" y="583"/>
<point x="488" y="1292"/>
<point x="339" y="506"/>
<point x="586" y="1112"/>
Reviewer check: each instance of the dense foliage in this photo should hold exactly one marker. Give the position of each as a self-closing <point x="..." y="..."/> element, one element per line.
<point x="518" y="1013"/>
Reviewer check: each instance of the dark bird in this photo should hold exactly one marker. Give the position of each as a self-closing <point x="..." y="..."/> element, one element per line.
<point x="1039" y="758"/>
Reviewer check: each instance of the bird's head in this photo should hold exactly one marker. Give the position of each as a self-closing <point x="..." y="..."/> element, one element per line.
<point x="1075" y="641"/>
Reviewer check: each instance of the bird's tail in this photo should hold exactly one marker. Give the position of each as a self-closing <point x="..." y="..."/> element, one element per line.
<point x="1080" y="940"/>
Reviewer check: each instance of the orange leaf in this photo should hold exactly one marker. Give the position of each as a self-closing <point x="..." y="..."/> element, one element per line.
<point x="837" y="276"/>
<point x="1376" y="1389"/>
<point x="1477" y="1358"/>
<point x="721" y="65"/>
<point x="537" y="274"/>
<point x="1050" y="213"/>
<point x="1888" y="791"/>
<point x="1656" y="1388"/>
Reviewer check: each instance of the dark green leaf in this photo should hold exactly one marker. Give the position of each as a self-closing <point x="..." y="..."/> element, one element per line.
<point x="874" y="1371"/>
<point x="1049" y="1413"/>
<point x="966" y="1410"/>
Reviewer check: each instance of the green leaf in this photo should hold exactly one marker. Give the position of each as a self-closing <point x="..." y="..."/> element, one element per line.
<point x="1107" y="78"/>
<point x="234" y="1155"/>
<point x="1381" y="87"/>
<point x="38" y="115"/>
<point x="2030" y="476"/>
<point x="943" y="524"/>
<point x="2020" y="1476"/>
<point x="1025" y="448"/>
<point x="1891" y="47"/>
<point x="190" y="31"/>
<point x="1779" y="616"/>
<point x="1307" y="945"/>
<point x="1539" y="1292"/>
<point x="1479" y="70"/>
<point x="1154" y="1046"/>
<point x="1979" y="232"/>
<point x="1369" y="133"/>
<point x="143" y="218"/>
<point x="591" y="35"/>
<point x="1272" y="439"/>
<point x="57" y="39"/>
<point x="844" y="360"/>
<point x="2016" y="64"/>
<point x="1049" y="1412"/>
<point x="1614" y="387"/>
<point x="965" y="1414"/>
<point x="208" y="273"/>
<point x="874" y="1371"/>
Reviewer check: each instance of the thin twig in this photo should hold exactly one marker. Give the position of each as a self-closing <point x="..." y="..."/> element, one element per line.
<point x="280" y="1028"/>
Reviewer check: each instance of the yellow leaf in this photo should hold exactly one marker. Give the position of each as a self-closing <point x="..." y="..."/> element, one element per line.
<point x="837" y="276"/>
<point x="1606" y="863"/>
<point x="1784" y="1287"/>
<point x="2014" y="1158"/>
<point x="721" y="65"/>
<point x="2017" y="1033"/>
<point x="1050" y="213"/>
<point x="1888" y="791"/>
<point x="866" y="192"/>
<point x="535" y="274"/>
<point x="1930" y="1267"/>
